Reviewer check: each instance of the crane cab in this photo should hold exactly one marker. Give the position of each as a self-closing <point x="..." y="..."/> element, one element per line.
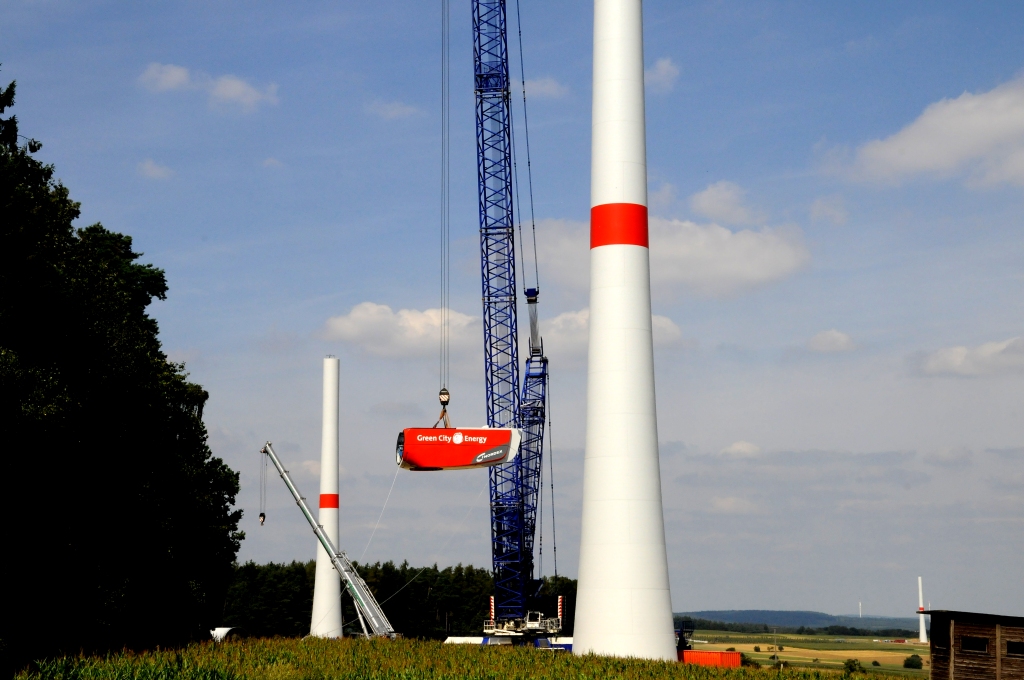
<point x="457" y="448"/>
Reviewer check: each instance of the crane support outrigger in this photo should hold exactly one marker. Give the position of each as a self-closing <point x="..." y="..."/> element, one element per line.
<point x="369" y="612"/>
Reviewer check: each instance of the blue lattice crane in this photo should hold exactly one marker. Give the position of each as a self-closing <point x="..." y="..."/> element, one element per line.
<point x="514" y="486"/>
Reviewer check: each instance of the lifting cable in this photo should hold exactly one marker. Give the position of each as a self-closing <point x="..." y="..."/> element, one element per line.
<point x="381" y="515"/>
<point x="263" y="489"/>
<point x="540" y="492"/>
<point x="529" y="167"/>
<point x="443" y="547"/>
<point x="551" y="481"/>
<point x="540" y="522"/>
<point x="536" y="280"/>
<point x="445" y="207"/>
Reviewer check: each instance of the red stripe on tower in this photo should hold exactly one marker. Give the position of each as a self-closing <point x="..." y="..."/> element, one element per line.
<point x="618" y="224"/>
<point x="328" y="500"/>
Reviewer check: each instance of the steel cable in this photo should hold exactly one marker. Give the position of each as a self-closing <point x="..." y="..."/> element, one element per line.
<point x="445" y="191"/>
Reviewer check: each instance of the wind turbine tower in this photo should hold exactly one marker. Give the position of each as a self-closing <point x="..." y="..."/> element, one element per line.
<point x="326" y="620"/>
<point x="623" y="606"/>
<point x="920" y="608"/>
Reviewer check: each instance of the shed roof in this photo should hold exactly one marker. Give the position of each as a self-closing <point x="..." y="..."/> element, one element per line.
<point x="977" y="617"/>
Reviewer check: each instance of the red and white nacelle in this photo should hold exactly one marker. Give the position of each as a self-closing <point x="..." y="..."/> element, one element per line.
<point x="457" y="448"/>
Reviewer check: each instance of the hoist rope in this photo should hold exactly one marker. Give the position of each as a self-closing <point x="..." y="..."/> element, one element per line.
<point x="517" y="213"/>
<point x="470" y="509"/>
<point x="529" y="167"/>
<point x="263" y="487"/>
<point x="445" y="190"/>
<point x="370" y="540"/>
<point x="540" y="522"/>
<point x="551" y="481"/>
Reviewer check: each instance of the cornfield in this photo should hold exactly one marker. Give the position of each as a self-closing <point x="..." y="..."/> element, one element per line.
<point x="316" y="659"/>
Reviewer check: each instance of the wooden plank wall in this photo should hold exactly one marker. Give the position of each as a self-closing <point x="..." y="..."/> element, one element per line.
<point x="940" y="654"/>
<point x="974" y="665"/>
<point x="1012" y="666"/>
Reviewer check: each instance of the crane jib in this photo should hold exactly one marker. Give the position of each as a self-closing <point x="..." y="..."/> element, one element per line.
<point x="513" y="485"/>
<point x="366" y="603"/>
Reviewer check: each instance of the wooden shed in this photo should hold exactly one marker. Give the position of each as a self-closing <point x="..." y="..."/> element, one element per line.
<point x="972" y="646"/>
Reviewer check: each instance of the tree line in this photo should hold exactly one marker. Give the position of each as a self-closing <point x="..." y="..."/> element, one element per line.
<point x="831" y="631"/>
<point x="119" y="524"/>
<point x="119" y="527"/>
<point x="269" y="600"/>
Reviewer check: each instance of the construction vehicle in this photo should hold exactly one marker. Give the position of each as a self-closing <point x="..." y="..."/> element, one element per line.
<point x="371" y="617"/>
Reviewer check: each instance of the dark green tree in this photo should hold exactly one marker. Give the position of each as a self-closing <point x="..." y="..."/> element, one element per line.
<point x="913" y="661"/>
<point x="428" y="603"/>
<point x="271" y="599"/>
<point x="118" y="521"/>
<point x="548" y="601"/>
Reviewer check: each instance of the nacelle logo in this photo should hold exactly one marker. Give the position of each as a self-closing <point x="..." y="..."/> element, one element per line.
<point x="490" y="455"/>
<point x="458" y="438"/>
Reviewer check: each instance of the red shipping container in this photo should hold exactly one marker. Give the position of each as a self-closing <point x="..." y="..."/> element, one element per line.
<point x="701" y="658"/>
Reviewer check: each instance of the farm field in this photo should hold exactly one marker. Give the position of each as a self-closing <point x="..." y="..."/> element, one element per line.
<point x="815" y="651"/>
<point x="293" y="659"/>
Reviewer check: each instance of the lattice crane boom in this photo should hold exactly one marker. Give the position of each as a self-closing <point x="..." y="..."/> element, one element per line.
<point x="513" y="486"/>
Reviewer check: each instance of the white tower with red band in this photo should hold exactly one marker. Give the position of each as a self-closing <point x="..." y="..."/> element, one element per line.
<point x="920" y="608"/>
<point x="326" y="620"/>
<point x="624" y="606"/>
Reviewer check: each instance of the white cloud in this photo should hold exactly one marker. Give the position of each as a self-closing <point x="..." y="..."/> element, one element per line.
<point x="663" y="197"/>
<point x="950" y="457"/>
<point x="829" y="208"/>
<point x="831" y="341"/>
<point x="153" y="170"/>
<point x="741" y="448"/>
<point x="546" y="88"/>
<point x="977" y="135"/>
<point x="665" y="332"/>
<point x="567" y="336"/>
<point x="662" y="76"/>
<point x="991" y="358"/>
<point x="271" y="162"/>
<point x="712" y="260"/>
<point x="706" y="259"/>
<point x="723" y="202"/>
<point x="163" y="77"/>
<point x="732" y="505"/>
<point x="378" y="330"/>
<point x="233" y="91"/>
<point x="311" y="467"/>
<point x="392" y="110"/>
<point x="223" y="91"/>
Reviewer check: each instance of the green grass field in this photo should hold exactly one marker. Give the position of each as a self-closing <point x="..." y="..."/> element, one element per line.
<point x="291" y="659"/>
<point x="815" y="651"/>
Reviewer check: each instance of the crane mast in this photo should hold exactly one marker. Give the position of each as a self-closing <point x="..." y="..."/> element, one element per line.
<point x="513" y="486"/>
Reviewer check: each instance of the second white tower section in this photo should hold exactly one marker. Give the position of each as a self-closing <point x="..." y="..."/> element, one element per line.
<point x="326" y="619"/>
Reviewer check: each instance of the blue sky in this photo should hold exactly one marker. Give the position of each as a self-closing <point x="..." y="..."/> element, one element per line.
<point x="836" y="260"/>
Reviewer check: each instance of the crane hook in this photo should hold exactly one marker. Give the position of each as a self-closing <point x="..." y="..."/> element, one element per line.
<point x="444" y="396"/>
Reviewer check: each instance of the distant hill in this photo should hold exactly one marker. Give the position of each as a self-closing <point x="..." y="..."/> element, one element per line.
<point x="795" y="619"/>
